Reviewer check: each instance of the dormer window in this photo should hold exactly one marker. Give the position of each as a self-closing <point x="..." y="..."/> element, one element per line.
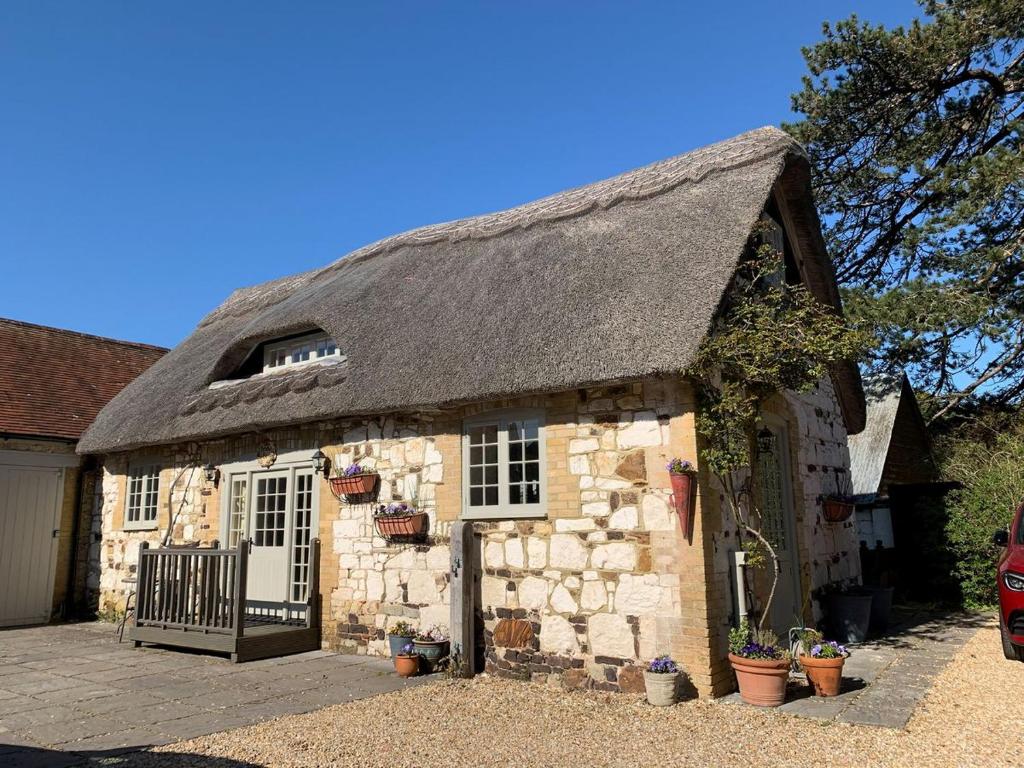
<point x="282" y="355"/>
<point x="311" y="347"/>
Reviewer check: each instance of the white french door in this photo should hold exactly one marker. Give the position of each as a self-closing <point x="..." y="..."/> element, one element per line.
<point x="275" y="511"/>
<point x="270" y="518"/>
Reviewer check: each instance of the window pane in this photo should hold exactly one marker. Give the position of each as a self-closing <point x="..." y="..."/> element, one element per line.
<point x="515" y="451"/>
<point x="532" y="451"/>
<point x="515" y="473"/>
<point x="476" y="455"/>
<point x="491" y="454"/>
<point x="515" y="494"/>
<point x="533" y="471"/>
<point x="533" y="493"/>
<point x="514" y="430"/>
<point x="491" y="496"/>
<point x="492" y="475"/>
<point x="531" y="428"/>
<point x="476" y="476"/>
<point x="476" y="497"/>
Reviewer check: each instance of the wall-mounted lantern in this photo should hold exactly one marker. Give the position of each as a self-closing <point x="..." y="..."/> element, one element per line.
<point x="319" y="460"/>
<point x="212" y="474"/>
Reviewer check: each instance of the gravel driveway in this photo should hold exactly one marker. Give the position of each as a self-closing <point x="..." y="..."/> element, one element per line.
<point x="971" y="717"/>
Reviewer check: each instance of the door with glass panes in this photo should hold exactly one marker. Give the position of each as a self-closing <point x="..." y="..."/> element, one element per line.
<point x="273" y="510"/>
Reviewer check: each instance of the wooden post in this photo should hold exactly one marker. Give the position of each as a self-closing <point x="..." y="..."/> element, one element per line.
<point x="313" y="586"/>
<point x="461" y="591"/>
<point x="241" y="570"/>
<point x="142" y="584"/>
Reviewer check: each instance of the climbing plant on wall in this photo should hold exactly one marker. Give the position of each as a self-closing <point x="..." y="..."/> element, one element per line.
<point x="771" y="335"/>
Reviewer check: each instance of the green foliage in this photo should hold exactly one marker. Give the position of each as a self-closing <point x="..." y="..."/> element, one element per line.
<point x="402" y="629"/>
<point x="990" y="463"/>
<point x="739" y="636"/>
<point x="771" y="336"/>
<point x="915" y="138"/>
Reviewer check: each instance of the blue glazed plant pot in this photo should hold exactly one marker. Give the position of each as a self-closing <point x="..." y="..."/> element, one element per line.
<point x="396" y="642"/>
<point x="431" y="652"/>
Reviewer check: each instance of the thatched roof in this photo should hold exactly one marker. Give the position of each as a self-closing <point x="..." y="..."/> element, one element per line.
<point x="612" y="281"/>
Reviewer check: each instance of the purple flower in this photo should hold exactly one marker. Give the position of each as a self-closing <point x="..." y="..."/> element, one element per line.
<point x="829" y="649"/>
<point x="663" y="665"/>
<point x="407" y="649"/>
<point x="758" y="651"/>
<point x="679" y="467"/>
<point x="353" y="469"/>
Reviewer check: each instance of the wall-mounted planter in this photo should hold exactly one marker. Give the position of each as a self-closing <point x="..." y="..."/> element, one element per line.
<point x="836" y="510"/>
<point x="684" y="488"/>
<point x="356" y="489"/>
<point x="402" y="527"/>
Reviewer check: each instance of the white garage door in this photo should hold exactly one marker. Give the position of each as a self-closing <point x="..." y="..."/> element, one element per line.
<point x="30" y="501"/>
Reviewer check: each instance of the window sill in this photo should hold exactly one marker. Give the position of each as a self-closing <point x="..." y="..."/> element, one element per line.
<point x="141" y="527"/>
<point x="503" y="514"/>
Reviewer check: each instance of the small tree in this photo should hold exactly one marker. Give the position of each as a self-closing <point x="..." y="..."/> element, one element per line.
<point x="771" y="336"/>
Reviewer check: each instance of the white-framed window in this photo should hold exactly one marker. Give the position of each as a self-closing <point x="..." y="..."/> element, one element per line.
<point x="310" y="348"/>
<point x="504" y="467"/>
<point x="142" y="498"/>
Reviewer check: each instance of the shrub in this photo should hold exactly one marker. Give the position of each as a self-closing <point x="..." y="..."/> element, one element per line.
<point x="990" y="464"/>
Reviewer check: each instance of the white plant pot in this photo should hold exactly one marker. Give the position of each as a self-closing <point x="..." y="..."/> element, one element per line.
<point x="661" y="688"/>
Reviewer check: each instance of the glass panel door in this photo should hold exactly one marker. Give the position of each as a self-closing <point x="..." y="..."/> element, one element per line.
<point x="269" y="518"/>
<point x="303" y="506"/>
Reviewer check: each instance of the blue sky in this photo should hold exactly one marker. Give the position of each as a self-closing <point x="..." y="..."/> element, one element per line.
<point x="156" y="156"/>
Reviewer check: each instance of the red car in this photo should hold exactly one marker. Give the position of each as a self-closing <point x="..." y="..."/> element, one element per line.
<point x="1011" y="586"/>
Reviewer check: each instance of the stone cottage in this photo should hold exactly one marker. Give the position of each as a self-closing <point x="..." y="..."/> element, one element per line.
<point x="519" y="375"/>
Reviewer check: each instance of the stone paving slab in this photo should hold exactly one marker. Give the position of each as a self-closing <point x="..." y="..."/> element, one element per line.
<point x="70" y="694"/>
<point x="885" y="678"/>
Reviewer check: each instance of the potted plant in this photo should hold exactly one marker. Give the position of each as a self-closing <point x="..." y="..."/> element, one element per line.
<point x="761" y="666"/>
<point x="353" y="480"/>
<point x="823" y="663"/>
<point x="848" y="611"/>
<point x="400" y="520"/>
<point x="661" y="680"/>
<point x="407" y="661"/>
<point x="837" y="507"/>
<point x="683" y="476"/>
<point x="400" y="635"/>
<point x="432" y="646"/>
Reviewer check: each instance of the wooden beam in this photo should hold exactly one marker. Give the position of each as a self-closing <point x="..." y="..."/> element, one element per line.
<point x="461" y="591"/>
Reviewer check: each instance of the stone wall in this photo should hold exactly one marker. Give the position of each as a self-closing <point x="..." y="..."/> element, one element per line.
<point x="583" y="582"/>
<point x="579" y="598"/>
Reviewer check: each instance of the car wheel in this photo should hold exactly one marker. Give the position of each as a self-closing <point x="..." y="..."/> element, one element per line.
<point x="1010" y="651"/>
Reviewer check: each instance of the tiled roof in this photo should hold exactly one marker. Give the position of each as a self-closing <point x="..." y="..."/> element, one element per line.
<point x="53" y="382"/>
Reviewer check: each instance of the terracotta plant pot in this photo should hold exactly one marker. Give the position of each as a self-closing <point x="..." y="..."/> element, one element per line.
<point x="762" y="681"/>
<point x="683" y="486"/>
<point x="404" y="525"/>
<point x="824" y="675"/>
<point x="354" y="485"/>
<point x="836" y="511"/>
<point x="661" y="688"/>
<point x="396" y="643"/>
<point x="407" y="666"/>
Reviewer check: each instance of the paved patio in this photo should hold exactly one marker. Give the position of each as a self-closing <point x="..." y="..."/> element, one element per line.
<point x="885" y="678"/>
<point x="71" y="692"/>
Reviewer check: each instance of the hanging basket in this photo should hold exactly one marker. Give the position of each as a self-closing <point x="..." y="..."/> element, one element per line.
<point x="836" y="510"/>
<point x="355" y="487"/>
<point x="402" y="526"/>
<point x="684" y="487"/>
